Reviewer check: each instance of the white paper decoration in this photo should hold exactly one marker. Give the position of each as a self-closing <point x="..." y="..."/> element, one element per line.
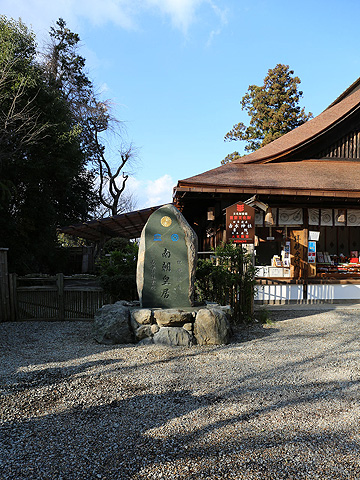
<point x="270" y="217"/>
<point x="353" y="218"/>
<point x="290" y="216"/>
<point x="339" y="217"/>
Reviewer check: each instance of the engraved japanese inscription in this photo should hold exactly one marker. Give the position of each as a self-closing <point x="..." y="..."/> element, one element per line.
<point x="167" y="260"/>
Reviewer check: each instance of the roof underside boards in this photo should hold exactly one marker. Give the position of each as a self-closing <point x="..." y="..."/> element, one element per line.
<point x="310" y="130"/>
<point x="127" y="225"/>
<point x="311" y="177"/>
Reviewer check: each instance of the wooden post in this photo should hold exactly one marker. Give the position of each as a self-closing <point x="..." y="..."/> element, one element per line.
<point x="13" y="297"/>
<point x="4" y="287"/>
<point x="61" y="295"/>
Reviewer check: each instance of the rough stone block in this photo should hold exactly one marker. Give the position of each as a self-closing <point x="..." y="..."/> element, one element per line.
<point x="212" y="327"/>
<point x="111" y="324"/>
<point x="188" y="326"/>
<point x="143" y="331"/>
<point x="173" y="336"/>
<point x="154" y="328"/>
<point x="172" y="317"/>
<point x="143" y="316"/>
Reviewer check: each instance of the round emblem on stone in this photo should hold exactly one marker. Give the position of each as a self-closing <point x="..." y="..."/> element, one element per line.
<point x="165" y="221"/>
<point x="174" y="237"/>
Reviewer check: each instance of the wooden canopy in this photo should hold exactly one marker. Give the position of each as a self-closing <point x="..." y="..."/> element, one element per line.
<point x="127" y="225"/>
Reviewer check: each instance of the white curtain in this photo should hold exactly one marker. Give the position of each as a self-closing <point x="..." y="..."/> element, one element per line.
<point x="259" y="218"/>
<point x="314" y="216"/>
<point x="326" y="219"/>
<point x="353" y="218"/>
<point x="290" y="216"/>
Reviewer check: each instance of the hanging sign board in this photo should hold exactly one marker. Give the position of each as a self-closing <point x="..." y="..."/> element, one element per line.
<point x="240" y="223"/>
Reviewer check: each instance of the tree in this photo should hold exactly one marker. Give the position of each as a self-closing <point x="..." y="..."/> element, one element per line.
<point x="42" y="167"/>
<point x="273" y="109"/>
<point x="19" y="117"/>
<point x="231" y="157"/>
<point x="66" y="70"/>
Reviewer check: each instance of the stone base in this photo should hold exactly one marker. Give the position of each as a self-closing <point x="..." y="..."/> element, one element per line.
<point x="203" y="325"/>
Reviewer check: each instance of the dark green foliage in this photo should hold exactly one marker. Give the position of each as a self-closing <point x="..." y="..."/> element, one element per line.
<point x="273" y="109"/>
<point x="44" y="182"/>
<point x="117" y="269"/>
<point x="65" y="71"/>
<point x="228" y="278"/>
<point x="263" y="316"/>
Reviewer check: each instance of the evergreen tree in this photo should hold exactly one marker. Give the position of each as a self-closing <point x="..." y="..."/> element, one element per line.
<point x="66" y="70"/>
<point x="43" y="177"/>
<point x="273" y="109"/>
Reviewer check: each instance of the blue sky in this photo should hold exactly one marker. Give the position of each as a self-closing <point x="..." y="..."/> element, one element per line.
<point x="176" y="70"/>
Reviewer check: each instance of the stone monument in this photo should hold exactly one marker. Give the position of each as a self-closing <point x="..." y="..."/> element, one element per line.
<point x="167" y="260"/>
<point x="166" y="286"/>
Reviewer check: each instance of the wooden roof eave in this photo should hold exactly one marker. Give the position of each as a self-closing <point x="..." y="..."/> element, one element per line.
<point x="198" y="188"/>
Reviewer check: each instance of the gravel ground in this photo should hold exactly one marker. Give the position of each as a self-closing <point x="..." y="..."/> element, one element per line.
<point x="280" y="402"/>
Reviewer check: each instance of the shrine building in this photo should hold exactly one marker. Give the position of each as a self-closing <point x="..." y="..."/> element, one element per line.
<point x="304" y="188"/>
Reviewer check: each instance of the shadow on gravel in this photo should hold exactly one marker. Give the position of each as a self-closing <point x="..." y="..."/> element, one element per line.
<point x="150" y="436"/>
<point x="247" y="333"/>
<point x="251" y="428"/>
<point x="36" y="342"/>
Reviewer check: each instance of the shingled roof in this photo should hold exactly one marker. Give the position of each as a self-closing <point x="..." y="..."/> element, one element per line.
<point x="280" y="166"/>
<point x="311" y="178"/>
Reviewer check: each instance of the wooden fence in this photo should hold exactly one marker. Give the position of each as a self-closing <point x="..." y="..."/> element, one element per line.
<point x="54" y="298"/>
<point x="4" y="286"/>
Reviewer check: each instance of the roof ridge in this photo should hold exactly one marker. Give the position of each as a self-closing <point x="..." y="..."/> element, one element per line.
<point x="351" y="89"/>
<point x="307" y="131"/>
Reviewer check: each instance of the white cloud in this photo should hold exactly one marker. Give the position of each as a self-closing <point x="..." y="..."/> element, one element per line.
<point x="40" y="14"/>
<point x="181" y="12"/>
<point x="150" y="193"/>
<point x="223" y="17"/>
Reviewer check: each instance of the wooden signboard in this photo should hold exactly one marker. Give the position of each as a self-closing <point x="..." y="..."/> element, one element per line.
<point x="240" y="223"/>
<point x="298" y="249"/>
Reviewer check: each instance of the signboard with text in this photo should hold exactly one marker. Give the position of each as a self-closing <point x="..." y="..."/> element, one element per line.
<point x="240" y="223"/>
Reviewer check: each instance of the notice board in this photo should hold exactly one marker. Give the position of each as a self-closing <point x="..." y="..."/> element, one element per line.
<point x="240" y="223"/>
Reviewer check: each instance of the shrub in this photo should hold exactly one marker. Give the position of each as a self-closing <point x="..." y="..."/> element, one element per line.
<point x="117" y="269"/>
<point x="228" y="278"/>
